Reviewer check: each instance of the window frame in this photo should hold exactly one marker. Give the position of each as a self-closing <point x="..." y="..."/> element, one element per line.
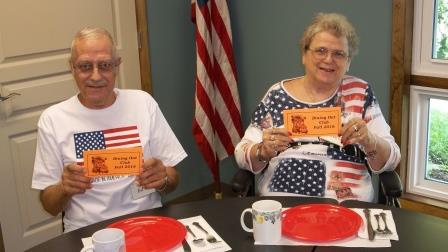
<point x="418" y="144"/>
<point x="401" y="79"/>
<point x="422" y="61"/>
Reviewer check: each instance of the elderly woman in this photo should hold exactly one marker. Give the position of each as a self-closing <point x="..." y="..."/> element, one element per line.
<point x="292" y="164"/>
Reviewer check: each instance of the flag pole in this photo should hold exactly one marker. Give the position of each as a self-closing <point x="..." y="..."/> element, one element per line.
<point x="218" y="190"/>
<point x="214" y="126"/>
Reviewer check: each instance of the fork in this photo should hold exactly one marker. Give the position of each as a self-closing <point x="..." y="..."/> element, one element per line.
<point x="378" y="230"/>
<point x="386" y="229"/>
<point x="210" y="238"/>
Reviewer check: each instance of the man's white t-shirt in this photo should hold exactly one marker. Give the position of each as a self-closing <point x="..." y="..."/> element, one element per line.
<point x="68" y="128"/>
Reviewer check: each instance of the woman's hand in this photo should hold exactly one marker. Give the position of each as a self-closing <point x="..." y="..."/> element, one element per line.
<point x="356" y="132"/>
<point x="274" y="141"/>
<point x="377" y="149"/>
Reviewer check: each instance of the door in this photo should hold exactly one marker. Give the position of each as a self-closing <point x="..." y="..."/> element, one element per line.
<point x="35" y="38"/>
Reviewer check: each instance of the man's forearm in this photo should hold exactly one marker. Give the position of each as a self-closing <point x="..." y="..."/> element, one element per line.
<point x="54" y="199"/>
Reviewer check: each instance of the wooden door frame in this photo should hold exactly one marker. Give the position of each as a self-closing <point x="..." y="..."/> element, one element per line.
<point x="401" y="79"/>
<point x="143" y="47"/>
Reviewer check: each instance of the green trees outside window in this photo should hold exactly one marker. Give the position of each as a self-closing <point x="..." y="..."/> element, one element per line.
<point x="440" y="50"/>
<point x="437" y="165"/>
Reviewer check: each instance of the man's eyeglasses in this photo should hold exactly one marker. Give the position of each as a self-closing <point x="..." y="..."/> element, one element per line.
<point x="102" y="66"/>
<point x="322" y="53"/>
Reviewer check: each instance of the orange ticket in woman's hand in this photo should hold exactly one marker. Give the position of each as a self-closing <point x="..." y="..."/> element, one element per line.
<point x="313" y="122"/>
<point x="109" y="162"/>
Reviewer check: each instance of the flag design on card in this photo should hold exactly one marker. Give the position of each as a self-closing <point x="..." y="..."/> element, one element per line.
<point x="123" y="137"/>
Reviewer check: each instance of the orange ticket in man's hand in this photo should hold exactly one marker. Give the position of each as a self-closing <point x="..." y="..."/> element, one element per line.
<point x="313" y="122"/>
<point x="107" y="162"/>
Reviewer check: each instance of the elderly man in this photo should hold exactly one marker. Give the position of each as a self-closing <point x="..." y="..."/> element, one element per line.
<point x="101" y="116"/>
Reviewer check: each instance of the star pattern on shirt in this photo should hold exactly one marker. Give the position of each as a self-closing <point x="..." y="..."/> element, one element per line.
<point x="337" y="154"/>
<point x="299" y="176"/>
<point x="278" y="100"/>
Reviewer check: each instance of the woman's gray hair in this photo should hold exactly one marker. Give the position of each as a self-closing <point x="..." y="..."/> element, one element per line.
<point x="334" y="23"/>
<point x="91" y="33"/>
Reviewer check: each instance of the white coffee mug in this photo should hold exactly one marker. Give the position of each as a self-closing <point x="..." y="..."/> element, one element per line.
<point x="266" y="219"/>
<point x="107" y="240"/>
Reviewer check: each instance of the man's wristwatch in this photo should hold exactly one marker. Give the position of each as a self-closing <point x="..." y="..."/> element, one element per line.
<point x="165" y="184"/>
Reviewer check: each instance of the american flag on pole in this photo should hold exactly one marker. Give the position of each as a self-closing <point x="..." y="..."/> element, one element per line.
<point x="217" y="126"/>
<point x="123" y="137"/>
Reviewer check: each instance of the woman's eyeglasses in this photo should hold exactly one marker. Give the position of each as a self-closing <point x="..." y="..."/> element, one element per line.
<point x="322" y="53"/>
<point x="102" y="66"/>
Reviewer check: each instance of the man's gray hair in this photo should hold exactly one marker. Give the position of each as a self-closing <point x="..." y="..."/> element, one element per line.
<point x="91" y="33"/>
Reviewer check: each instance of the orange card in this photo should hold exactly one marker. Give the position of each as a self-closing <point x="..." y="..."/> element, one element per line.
<point x="313" y="122"/>
<point x="107" y="162"/>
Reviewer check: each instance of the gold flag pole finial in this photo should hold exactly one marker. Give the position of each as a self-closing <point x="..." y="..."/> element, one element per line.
<point x="218" y="195"/>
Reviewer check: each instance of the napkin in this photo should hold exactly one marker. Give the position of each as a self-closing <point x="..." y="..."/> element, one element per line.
<point x="353" y="241"/>
<point x="360" y="240"/>
<point x="86" y="241"/>
<point x="389" y="219"/>
<point x="212" y="247"/>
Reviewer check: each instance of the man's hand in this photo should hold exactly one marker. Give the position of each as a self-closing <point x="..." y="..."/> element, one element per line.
<point x="54" y="198"/>
<point x="153" y="174"/>
<point x="74" y="181"/>
<point x="156" y="175"/>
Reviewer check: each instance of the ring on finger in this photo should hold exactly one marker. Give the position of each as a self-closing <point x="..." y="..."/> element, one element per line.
<point x="355" y="128"/>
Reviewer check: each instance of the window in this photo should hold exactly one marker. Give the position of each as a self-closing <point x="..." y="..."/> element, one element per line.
<point x="428" y="151"/>
<point x="430" y="45"/>
<point x="440" y="34"/>
<point x="428" y="128"/>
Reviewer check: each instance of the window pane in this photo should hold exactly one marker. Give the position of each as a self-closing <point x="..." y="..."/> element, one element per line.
<point x="437" y="156"/>
<point x="440" y="34"/>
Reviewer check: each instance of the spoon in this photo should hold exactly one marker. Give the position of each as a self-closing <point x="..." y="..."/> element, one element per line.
<point x="197" y="241"/>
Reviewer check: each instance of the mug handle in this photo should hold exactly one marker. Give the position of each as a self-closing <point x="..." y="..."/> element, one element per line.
<point x="88" y="248"/>
<point x="243" y="225"/>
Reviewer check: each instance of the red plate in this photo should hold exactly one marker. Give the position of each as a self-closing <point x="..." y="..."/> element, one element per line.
<point x="320" y="222"/>
<point x="151" y="233"/>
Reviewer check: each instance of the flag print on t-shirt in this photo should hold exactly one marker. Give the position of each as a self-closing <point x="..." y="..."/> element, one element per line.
<point x="123" y="137"/>
<point x="345" y="174"/>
